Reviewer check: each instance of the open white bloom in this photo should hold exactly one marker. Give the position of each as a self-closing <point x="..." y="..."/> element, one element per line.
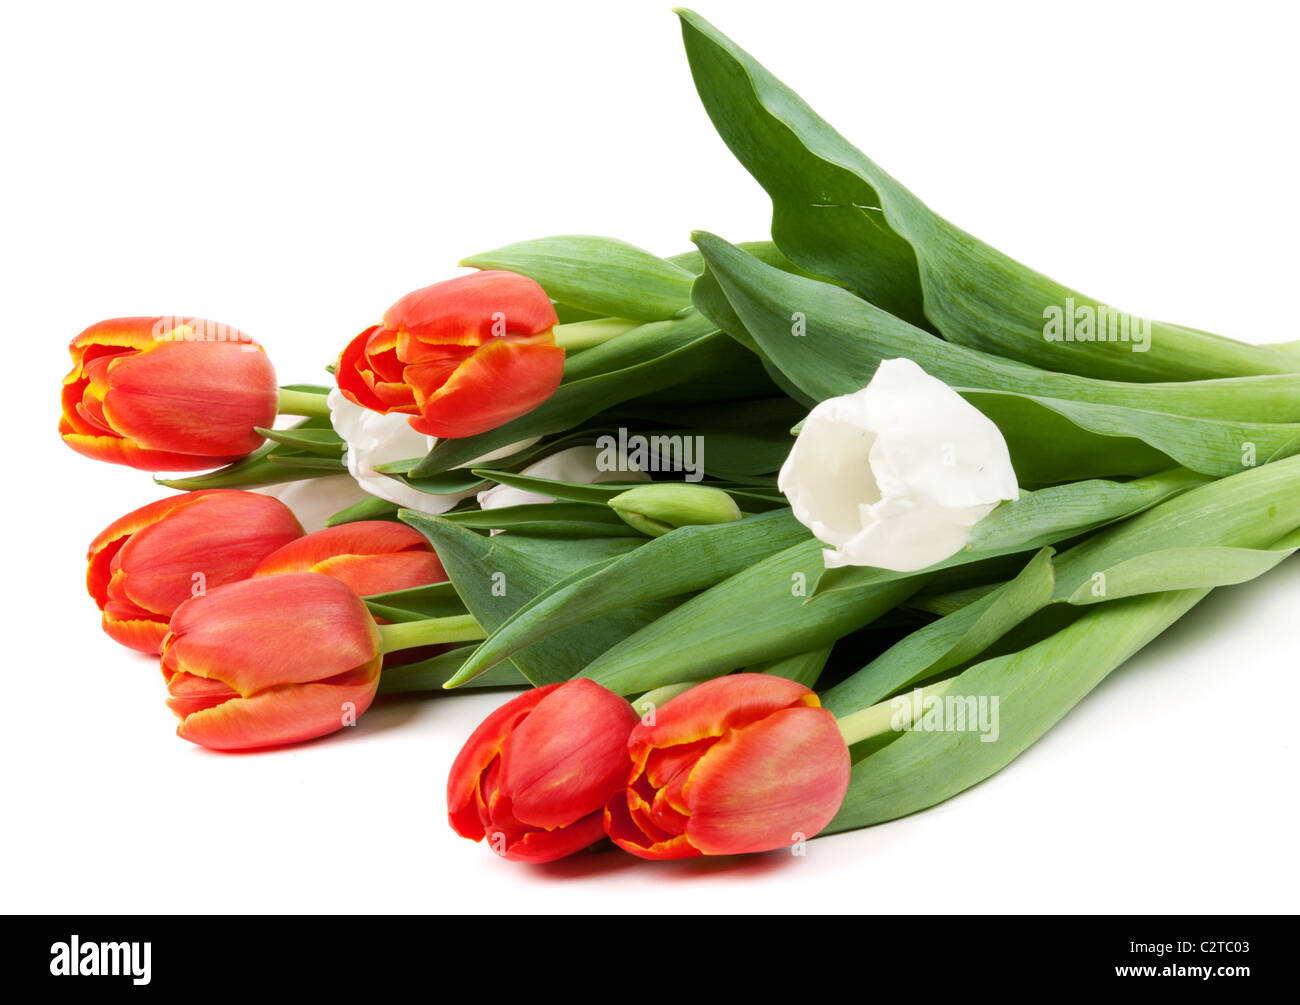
<point x="315" y="500"/>
<point x="374" y="438"/>
<point x="896" y="475"/>
<point x="576" y="464"/>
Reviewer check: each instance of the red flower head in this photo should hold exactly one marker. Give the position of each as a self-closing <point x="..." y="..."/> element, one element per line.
<point x="743" y="763"/>
<point x="164" y="394"/>
<point x="460" y="357"/>
<point x="269" y="661"/>
<point x="371" y="556"/>
<point x="144" y="565"/>
<point x="535" y="774"/>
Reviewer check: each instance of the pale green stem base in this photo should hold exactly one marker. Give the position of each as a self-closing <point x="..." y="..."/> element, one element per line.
<point x="579" y="335"/>
<point x="303" y="403"/>
<point x="889" y="716"/>
<point x="429" y="632"/>
<point x="653" y="699"/>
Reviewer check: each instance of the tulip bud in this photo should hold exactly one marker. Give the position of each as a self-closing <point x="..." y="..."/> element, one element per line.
<point x="534" y="777"/>
<point x="162" y="394"/>
<point x="663" y="506"/>
<point x="370" y="556"/>
<point x="145" y="564"/>
<point x="270" y="661"/>
<point x="896" y="475"/>
<point x="459" y="357"/>
<point x="743" y="763"/>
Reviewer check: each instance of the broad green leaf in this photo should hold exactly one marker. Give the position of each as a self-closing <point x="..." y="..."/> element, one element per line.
<point x="1048" y="516"/>
<point x="1254" y="509"/>
<point x="755" y="615"/>
<point x="803" y="668"/>
<point x="433" y="673"/>
<point x="1052" y="514"/>
<point x="765" y="251"/>
<point x="1182" y="569"/>
<point x="837" y="214"/>
<point x="948" y="642"/>
<point x="436" y="600"/>
<point x="1033" y="688"/>
<point x="680" y="562"/>
<point x="844" y="338"/>
<point x="599" y="275"/>
<point x="1208" y="446"/>
<point x="495" y="576"/>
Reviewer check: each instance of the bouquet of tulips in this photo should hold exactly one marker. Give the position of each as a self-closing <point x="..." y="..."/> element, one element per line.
<point x="781" y="539"/>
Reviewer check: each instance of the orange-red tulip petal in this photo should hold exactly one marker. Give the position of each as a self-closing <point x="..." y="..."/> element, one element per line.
<point x="145" y="564"/>
<point x="371" y="556"/>
<point x="535" y="776"/>
<point x="459" y="357"/>
<point x="744" y="763"/>
<point x="164" y="395"/>
<point x="270" y="661"/>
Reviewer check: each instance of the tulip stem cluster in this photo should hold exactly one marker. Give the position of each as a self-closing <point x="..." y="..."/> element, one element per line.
<point x="429" y="632"/>
<point x="889" y="716"/>
<point x="303" y="403"/>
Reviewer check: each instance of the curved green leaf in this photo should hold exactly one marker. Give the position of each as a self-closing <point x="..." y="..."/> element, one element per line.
<point x="836" y="213"/>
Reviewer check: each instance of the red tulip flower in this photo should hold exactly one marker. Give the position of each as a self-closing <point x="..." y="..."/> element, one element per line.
<point x="743" y="763"/>
<point x="371" y="556"/>
<point x="270" y="661"/>
<point x="163" y="394"/>
<point x="144" y="565"/>
<point x="460" y="357"/>
<point x="535" y="775"/>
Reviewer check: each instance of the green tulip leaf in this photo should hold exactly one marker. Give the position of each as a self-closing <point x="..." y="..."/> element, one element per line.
<point x="680" y="562"/>
<point x="838" y="215"/>
<point x="496" y="576"/>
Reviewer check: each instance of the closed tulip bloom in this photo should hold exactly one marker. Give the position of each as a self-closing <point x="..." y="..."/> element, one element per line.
<point x="270" y="661"/>
<point x="534" y="777"/>
<point x="145" y="564"/>
<point x="895" y="475"/>
<point x="459" y="357"/>
<point x="370" y="556"/>
<point x="743" y="763"/>
<point x="162" y="394"/>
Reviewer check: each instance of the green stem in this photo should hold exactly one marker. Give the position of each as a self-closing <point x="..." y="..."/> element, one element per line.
<point x="889" y="716"/>
<point x="303" y="403"/>
<point x="579" y="335"/>
<point x="429" y="632"/>
<point x="653" y="699"/>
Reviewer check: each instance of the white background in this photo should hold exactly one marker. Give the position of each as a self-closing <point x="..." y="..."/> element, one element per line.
<point x="293" y="168"/>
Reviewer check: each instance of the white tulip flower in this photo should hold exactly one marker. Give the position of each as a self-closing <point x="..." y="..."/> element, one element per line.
<point x="315" y="500"/>
<point x="576" y="464"/>
<point x="895" y="475"/>
<point x="374" y="438"/>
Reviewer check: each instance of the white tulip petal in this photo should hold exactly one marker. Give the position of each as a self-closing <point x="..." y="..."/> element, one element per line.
<point x="374" y="438"/>
<point x="895" y="475"/>
<point x="828" y="471"/>
<point x="909" y="538"/>
<point x="315" y="500"/>
<point x="938" y="443"/>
